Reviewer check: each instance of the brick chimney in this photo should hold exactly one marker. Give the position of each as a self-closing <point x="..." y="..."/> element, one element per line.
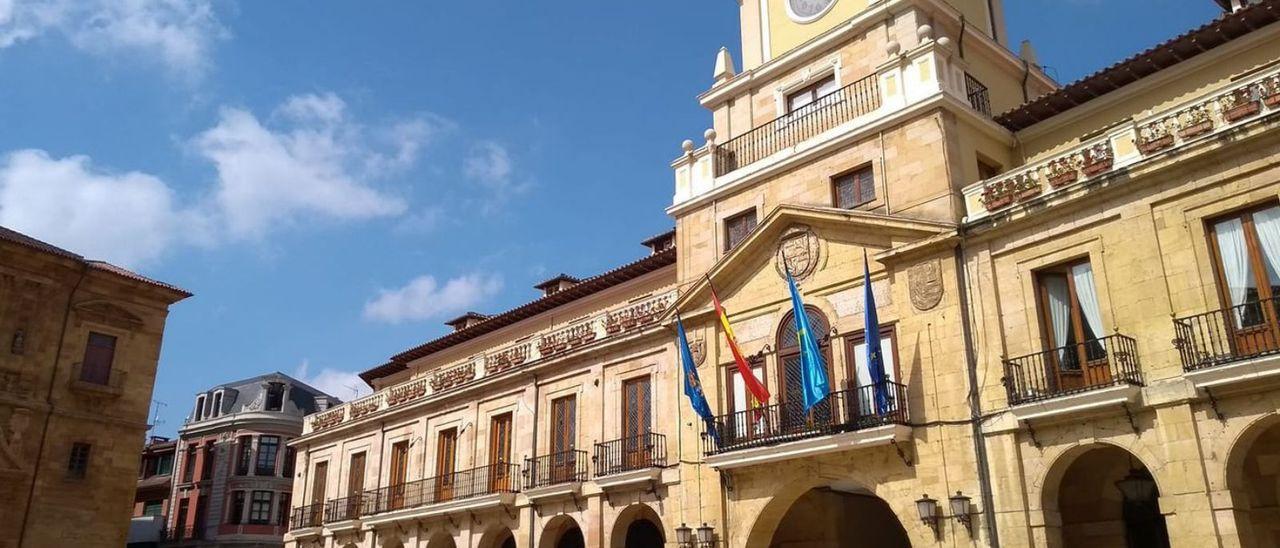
<point x="466" y="320"/>
<point x="557" y="284"/>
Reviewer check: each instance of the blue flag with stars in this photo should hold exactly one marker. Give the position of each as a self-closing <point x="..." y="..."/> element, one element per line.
<point x="875" y="359"/>
<point x="692" y="385"/>
<point x="813" y="369"/>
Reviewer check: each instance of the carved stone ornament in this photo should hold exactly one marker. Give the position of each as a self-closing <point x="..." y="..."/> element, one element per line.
<point x="800" y="247"/>
<point x="925" y="282"/>
<point x="11" y="433"/>
<point x="698" y="351"/>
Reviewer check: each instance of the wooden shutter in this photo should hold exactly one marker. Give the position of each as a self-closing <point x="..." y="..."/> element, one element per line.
<point x="399" y="462"/>
<point x="99" y="353"/>
<point x="355" y="474"/>
<point x="635" y="407"/>
<point x="499" y="451"/>
<point x="446" y="456"/>
<point x="318" y="482"/>
<point x="563" y="411"/>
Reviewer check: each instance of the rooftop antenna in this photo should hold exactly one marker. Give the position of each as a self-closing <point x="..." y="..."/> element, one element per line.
<point x="155" y="415"/>
<point x="355" y="390"/>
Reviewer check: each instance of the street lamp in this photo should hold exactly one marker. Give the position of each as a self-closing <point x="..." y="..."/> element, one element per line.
<point x="960" y="508"/>
<point x="684" y="536"/>
<point x="927" y="508"/>
<point x="1137" y="486"/>
<point x="706" y="536"/>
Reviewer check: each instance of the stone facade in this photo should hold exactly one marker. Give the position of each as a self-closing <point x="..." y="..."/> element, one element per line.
<point x="1068" y="359"/>
<point x="81" y="342"/>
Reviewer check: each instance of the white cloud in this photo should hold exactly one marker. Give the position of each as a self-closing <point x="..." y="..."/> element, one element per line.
<point x="425" y="298"/>
<point x="334" y="382"/>
<point x="129" y="218"/>
<point x="176" y="33"/>
<point x="489" y="163"/>
<point x="316" y="166"/>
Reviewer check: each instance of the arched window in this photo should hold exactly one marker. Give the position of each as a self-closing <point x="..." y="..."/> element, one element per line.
<point x="792" y="397"/>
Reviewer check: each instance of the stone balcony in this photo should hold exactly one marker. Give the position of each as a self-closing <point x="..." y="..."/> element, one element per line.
<point x="557" y="342"/>
<point x="1133" y="142"/>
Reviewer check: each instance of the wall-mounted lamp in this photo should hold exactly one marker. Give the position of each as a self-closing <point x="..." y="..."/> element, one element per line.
<point x="703" y="537"/>
<point x="961" y="510"/>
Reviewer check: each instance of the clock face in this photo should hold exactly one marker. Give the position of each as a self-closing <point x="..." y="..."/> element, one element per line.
<point x="808" y="10"/>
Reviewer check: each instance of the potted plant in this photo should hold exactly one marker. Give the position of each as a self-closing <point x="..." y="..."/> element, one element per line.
<point x="1097" y="159"/>
<point x="1027" y="186"/>
<point x="1154" y="137"/>
<point x="1061" y="172"/>
<point x="997" y="195"/>
<point x="1271" y="91"/>
<point x="1194" y="121"/>
<point x="1240" y="104"/>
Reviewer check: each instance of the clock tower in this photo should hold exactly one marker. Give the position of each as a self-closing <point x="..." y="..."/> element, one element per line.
<point x="771" y="28"/>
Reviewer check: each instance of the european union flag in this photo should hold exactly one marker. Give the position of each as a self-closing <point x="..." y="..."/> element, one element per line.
<point x="693" y="386"/>
<point x="813" y="370"/>
<point x="875" y="359"/>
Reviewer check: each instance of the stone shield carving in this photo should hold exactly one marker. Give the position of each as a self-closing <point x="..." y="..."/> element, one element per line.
<point x="925" y="282"/>
<point x="801" y="250"/>
<point x="698" y="351"/>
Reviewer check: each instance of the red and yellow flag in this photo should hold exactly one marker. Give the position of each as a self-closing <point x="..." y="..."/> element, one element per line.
<point x="753" y="384"/>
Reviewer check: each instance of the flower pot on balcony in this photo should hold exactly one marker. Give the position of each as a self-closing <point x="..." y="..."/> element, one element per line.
<point x="1101" y="166"/>
<point x="998" y="202"/>
<point x="1063" y="179"/>
<point x="1196" y="129"/>
<point x="1027" y="194"/>
<point x="1272" y="101"/>
<point x="1156" y="144"/>
<point x="1242" y="110"/>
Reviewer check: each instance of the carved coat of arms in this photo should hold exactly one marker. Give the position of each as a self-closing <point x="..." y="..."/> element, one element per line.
<point x="801" y="250"/>
<point x="925" y="282"/>
<point x="698" y="351"/>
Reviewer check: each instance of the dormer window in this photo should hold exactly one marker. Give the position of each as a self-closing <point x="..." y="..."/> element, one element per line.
<point x="217" y="404"/>
<point x="199" y="408"/>
<point x="275" y="396"/>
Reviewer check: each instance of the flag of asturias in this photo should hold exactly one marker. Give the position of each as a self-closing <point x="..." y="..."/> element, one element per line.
<point x="875" y="359"/>
<point x="757" y="388"/>
<point x="813" y="370"/>
<point x="692" y="385"/>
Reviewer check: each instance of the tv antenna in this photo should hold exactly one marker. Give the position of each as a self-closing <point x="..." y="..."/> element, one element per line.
<point x="155" y="415"/>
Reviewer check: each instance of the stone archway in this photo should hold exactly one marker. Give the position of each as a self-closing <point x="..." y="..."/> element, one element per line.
<point x="561" y="532"/>
<point x="1102" y="495"/>
<point x="637" y="526"/>
<point x="1253" y="478"/>
<point x="441" y="540"/>
<point x="498" y="536"/>
<point x="825" y="516"/>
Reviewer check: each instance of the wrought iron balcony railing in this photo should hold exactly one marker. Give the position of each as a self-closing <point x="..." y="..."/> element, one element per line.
<point x="555" y="468"/>
<point x="1071" y="369"/>
<point x="840" y="106"/>
<point x="1228" y="335"/>
<point x="345" y="508"/>
<point x="475" y="482"/>
<point x="979" y="96"/>
<point x="310" y="515"/>
<point x="179" y="534"/>
<point x="843" y="411"/>
<point x="648" y="450"/>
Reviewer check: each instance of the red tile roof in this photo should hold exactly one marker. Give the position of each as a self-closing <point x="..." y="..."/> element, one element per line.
<point x="21" y="239"/>
<point x="1222" y="30"/>
<point x="585" y="288"/>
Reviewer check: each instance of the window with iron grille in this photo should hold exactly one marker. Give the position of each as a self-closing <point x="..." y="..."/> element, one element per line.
<point x="855" y="188"/>
<point x="99" y="354"/>
<point x="738" y="227"/>
<point x="235" y="513"/>
<point x="244" y="446"/>
<point x="78" y="464"/>
<point x="268" y="448"/>
<point x="979" y="98"/>
<point x="260" y="508"/>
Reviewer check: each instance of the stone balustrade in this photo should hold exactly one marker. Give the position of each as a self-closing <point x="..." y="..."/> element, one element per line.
<point x="552" y="343"/>
<point x="1144" y="137"/>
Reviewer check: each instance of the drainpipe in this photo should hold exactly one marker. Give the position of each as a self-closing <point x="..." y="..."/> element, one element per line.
<point x="975" y="402"/>
<point x="48" y="398"/>
<point x="533" y="508"/>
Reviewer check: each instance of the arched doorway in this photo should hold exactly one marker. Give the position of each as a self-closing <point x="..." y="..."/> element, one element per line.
<point x="637" y="526"/>
<point x="1105" y="497"/>
<point x="562" y="532"/>
<point x="1254" y="480"/>
<point x="498" y="537"/>
<point x="793" y="417"/>
<point x="827" y="517"/>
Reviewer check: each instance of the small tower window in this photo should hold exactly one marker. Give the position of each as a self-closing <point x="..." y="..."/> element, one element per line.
<point x="275" y="396"/>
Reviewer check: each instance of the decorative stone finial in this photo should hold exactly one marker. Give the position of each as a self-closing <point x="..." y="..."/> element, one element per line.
<point x="1028" y="53"/>
<point x="710" y="136"/>
<point x="944" y="42"/>
<point x="687" y="146"/>
<point x="724" y="66"/>
<point x="924" y="33"/>
<point x="893" y="48"/>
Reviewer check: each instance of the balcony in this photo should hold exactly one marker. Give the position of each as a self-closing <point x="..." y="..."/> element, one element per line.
<point x="1237" y="343"/>
<point x="471" y="489"/>
<point x="181" y="534"/>
<point x="598" y="328"/>
<point x="840" y="106"/>
<point x="1079" y="376"/>
<point x="630" y="461"/>
<point x="867" y="415"/>
<point x="108" y="382"/>
<point x="555" y="475"/>
<point x="306" y="516"/>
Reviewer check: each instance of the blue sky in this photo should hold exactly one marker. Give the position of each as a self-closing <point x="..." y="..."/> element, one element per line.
<point x="334" y="179"/>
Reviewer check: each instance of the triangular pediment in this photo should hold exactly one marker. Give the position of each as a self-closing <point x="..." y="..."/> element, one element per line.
<point x="822" y="246"/>
<point x="108" y="313"/>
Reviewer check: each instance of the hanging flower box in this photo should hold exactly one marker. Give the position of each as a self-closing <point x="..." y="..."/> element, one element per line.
<point x="1239" y="104"/>
<point x="1061" y="172"/>
<point x="1100" y="166"/>
<point x="1272" y="101"/>
<point x="1029" y="193"/>
<point x="997" y="203"/>
<point x="1199" y="128"/>
<point x="1243" y="110"/>
<point x="1155" y="145"/>
<point x="1096" y="159"/>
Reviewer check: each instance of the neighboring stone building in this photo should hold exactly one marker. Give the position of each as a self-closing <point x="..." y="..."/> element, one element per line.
<point x="1075" y="289"/>
<point x="79" y="345"/>
<point x="234" y="475"/>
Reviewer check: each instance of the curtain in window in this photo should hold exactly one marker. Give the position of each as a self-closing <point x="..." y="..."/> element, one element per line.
<point x="1059" y="313"/>
<point x="1235" y="261"/>
<point x="1267" y="222"/>
<point x="1087" y="294"/>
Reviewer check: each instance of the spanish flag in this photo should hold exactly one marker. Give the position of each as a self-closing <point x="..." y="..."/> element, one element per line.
<point x="753" y="384"/>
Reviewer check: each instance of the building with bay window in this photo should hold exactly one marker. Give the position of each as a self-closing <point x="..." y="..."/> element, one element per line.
<point x="1074" y="285"/>
<point x="233" y="476"/>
